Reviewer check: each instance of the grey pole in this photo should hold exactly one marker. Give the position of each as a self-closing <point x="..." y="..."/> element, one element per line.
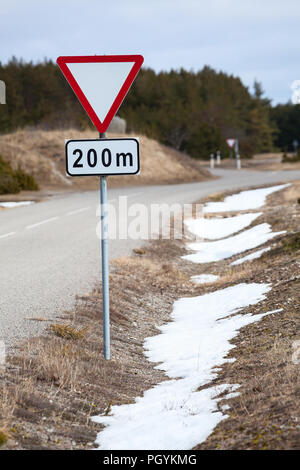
<point x="104" y="259"/>
<point x="295" y="145"/>
<point x="237" y="155"/>
<point x="236" y="147"/>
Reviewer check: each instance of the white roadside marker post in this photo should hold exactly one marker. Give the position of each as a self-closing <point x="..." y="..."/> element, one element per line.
<point x="212" y="161"/>
<point x="104" y="261"/>
<point x="218" y="157"/>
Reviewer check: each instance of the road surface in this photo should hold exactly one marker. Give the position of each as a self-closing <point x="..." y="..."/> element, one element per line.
<point x="49" y="251"/>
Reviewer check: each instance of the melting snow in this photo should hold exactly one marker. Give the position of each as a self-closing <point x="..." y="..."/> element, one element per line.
<point x="213" y="229"/>
<point x="252" y="199"/>
<point x="191" y="348"/>
<point x="256" y="254"/>
<point x="15" y="204"/>
<point x="173" y="415"/>
<point x="204" y="278"/>
<point x="207" y="252"/>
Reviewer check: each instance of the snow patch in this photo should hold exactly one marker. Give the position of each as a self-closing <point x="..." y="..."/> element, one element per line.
<point x="245" y="200"/>
<point x="173" y="415"/>
<point x="255" y="255"/>
<point x="214" y="229"/>
<point x="208" y="252"/>
<point x="15" y="204"/>
<point x="204" y="278"/>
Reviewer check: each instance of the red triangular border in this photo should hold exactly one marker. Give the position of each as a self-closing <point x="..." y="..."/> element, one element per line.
<point x="63" y="61"/>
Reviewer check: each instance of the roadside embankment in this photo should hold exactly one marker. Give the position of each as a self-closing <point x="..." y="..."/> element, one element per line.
<point x="42" y="154"/>
<point x="248" y="384"/>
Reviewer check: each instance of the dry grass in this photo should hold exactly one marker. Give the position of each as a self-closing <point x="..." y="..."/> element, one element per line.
<point x="4" y="436"/>
<point x="274" y="162"/>
<point x="266" y="413"/>
<point x="264" y="161"/>
<point x="60" y="381"/>
<point x="292" y="193"/>
<point x="55" y="383"/>
<point x="7" y="406"/>
<point x="42" y="154"/>
<point x="68" y="331"/>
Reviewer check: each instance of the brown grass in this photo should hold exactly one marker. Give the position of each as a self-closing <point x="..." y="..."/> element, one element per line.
<point x="263" y="162"/>
<point x="58" y="382"/>
<point x="7" y="406"/>
<point x="266" y="413"/>
<point x="55" y="383"/>
<point x="68" y="331"/>
<point x="42" y="154"/>
<point x="4" y="436"/>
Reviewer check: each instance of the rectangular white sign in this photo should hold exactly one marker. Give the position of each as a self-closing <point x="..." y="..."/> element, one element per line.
<point x="102" y="157"/>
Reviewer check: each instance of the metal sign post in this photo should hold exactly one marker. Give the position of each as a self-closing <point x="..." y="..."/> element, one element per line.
<point x="237" y="155"/>
<point x="100" y="84"/>
<point x="104" y="260"/>
<point x="231" y="144"/>
<point x="103" y="157"/>
<point x="295" y="145"/>
<point x="236" y="148"/>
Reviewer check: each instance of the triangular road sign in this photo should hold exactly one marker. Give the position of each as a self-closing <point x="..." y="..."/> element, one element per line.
<point x="100" y="82"/>
<point x="230" y="142"/>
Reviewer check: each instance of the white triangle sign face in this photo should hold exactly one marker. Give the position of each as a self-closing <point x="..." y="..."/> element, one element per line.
<point x="230" y="142"/>
<point x="100" y="83"/>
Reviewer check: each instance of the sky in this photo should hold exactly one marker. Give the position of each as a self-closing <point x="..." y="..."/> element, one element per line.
<point x="252" y="39"/>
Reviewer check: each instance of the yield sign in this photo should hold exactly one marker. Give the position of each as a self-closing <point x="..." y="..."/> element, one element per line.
<point x="100" y="83"/>
<point x="230" y="142"/>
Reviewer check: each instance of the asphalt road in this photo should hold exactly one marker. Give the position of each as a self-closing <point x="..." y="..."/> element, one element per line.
<point x="49" y="251"/>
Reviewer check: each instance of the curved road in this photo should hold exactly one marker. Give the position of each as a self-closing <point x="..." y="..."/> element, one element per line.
<point x="49" y="252"/>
